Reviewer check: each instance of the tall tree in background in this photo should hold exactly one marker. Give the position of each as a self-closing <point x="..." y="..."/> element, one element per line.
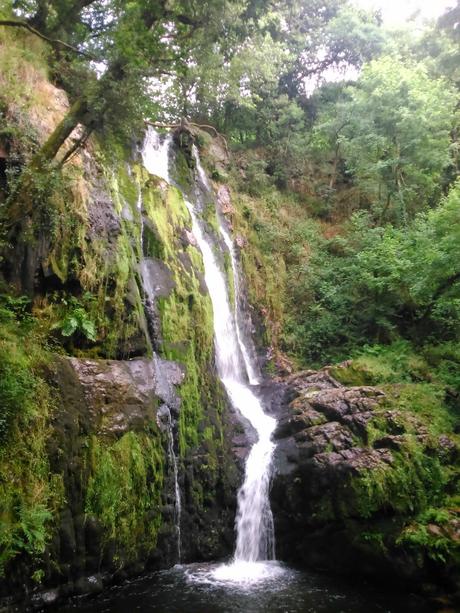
<point x="393" y="128"/>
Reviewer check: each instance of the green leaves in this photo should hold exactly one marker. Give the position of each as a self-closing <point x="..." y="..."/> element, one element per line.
<point x="76" y="320"/>
<point x="393" y="129"/>
<point x="378" y="284"/>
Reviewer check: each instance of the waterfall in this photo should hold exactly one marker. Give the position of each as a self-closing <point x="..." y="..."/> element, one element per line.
<point x="155" y="153"/>
<point x="155" y="156"/>
<point x="251" y="366"/>
<point x="166" y="415"/>
<point x="237" y="370"/>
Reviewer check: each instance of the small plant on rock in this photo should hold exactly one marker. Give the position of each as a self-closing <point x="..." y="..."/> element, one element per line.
<point x="76" y="320"/>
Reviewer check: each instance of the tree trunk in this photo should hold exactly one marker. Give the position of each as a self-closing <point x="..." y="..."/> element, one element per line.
<point x="20" y="202"/>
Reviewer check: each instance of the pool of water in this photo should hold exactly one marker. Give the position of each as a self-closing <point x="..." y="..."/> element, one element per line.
<point x="270" y="588"/>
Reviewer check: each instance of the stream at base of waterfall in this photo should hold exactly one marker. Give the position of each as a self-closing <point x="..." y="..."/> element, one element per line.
<point x="196" y="588"/>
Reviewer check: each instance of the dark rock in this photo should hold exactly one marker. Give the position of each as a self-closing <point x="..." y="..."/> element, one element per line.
<point x="332" y="493"/>
<point x="89" y="585"/>
<point x="157" y="278"/>
<point x="103" y="221"/>
<point x="390" y="442"/>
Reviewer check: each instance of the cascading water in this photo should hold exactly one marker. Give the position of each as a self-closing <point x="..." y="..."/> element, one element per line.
<point x="251" y="367"/>
<point x="254" y="522"/>
<point x="155" y="155"/>
<point x="166" y="415"/>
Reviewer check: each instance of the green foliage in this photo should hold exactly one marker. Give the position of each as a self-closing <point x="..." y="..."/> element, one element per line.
<point x="393" y="130"/>
<point x="378" y="364"/>
<point x="76" y="319"/>
<point x="17" y="381"/>
<point x="124" y="490"/>
<point x="376" y="284"/>
<point x="14" y="308"/>
<point x="425" y="400"/>
<point x="444" y="359"/>
<point x="432" y="534"/>
<point x="413" y="481"/>
<point x="17" y="386"/>
<point x="29" y="493"/>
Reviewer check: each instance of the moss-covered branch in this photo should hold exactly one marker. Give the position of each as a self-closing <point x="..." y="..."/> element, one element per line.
<point x="55" y="42"/>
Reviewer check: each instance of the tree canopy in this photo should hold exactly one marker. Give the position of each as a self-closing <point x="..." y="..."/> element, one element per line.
<point x="357" y="123"/>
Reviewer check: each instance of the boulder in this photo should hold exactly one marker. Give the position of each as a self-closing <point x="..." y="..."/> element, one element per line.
<point x="351" y="476"/>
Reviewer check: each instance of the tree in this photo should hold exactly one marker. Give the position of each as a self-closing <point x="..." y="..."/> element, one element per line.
<point x="393" y="129"/>
<point x="377" y="284"/>
<point x="135" y="43"/>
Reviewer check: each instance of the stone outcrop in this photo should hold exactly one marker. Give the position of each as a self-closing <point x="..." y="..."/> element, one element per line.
<point x="352" y="477"/>
<point x="109" y="446"/>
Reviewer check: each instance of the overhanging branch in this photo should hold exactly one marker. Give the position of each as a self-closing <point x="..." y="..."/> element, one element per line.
<point x="185" y="123"/>
<point x="16" y="23"/>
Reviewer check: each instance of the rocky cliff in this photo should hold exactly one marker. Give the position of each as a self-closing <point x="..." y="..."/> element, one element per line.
<point x="362" y="485"/>
<point x="99" y="370"/>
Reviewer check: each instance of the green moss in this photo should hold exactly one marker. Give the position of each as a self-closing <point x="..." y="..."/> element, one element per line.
<point x="433" y="533"/>
<point x="152" y="245"/>
<point x="188" y="337"/>
<point x="187" y="331"/>
<point x="30" y="495"/>
<point x="373" y="540"/>
<point x="168" y="213"/>
<point x="105" y="266"/>
<point x="420" y="404"/>
<point x="413" y="481"/>
<point x="379" y="364"/>
<point x="230" y="278"/>
<point x="182" y="169"/>
<point x="124" y="490"/>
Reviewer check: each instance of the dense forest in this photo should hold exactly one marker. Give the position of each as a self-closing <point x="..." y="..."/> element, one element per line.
<point x="338" y="139"/>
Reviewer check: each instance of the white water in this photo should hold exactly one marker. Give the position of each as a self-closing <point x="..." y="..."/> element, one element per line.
<point x="251" y="368"/>
<point x="254" y="522"/>
<point x="155" y="153"/>
<point x="155" y="156"/>
<point x="177" y="496"/>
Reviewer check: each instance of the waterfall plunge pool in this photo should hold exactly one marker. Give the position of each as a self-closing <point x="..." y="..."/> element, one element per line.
<point x="201" y="588"/>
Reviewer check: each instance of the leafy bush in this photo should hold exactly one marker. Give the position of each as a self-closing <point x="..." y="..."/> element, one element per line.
<point x="377" y="284"/>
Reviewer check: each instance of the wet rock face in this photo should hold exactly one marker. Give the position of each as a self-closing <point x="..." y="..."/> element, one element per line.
<point x="109" y="444"/>
<point x="316" y="438"/>
<point x="341" y="493"/>
<point x="117" y="396"/>
<point x="103" y="401"/>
